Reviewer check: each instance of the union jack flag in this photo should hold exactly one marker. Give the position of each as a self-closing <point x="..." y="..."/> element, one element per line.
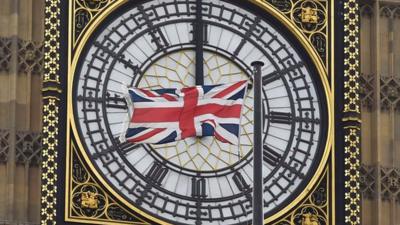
<point x="168" y="115"/>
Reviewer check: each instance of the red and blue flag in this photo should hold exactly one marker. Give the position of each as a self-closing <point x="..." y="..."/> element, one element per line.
<point x="168" y="115"/>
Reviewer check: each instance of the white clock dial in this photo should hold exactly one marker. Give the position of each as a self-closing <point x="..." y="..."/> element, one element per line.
<point x="200" y="180"/>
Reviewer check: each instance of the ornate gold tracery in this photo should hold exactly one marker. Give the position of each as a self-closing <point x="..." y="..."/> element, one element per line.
<point x="311" y="18"/>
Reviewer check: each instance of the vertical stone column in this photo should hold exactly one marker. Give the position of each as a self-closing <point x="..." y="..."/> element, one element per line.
<point x="376" y="133"/>
<point x="13" y="79"/>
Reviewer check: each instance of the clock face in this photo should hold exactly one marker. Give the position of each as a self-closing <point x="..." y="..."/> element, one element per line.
<point x="155" y="44"/>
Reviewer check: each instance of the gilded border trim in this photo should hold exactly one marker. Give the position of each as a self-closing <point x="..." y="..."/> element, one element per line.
<point x="51" y="100"/>
<point x="51" y="92"/>
<point x="351" y="113"/>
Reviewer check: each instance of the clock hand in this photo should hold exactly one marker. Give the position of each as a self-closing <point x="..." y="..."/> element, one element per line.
<point x="198" y="36"/>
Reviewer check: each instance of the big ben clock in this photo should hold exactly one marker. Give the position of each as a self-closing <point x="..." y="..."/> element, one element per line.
<point x="97" y="178"/>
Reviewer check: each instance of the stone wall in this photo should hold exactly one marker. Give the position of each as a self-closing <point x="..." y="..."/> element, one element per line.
<point x="21" y="62"/>
<point x="380" y="63"/>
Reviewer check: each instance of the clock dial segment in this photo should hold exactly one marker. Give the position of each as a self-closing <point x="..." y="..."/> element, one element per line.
<point x="199" y="181"/>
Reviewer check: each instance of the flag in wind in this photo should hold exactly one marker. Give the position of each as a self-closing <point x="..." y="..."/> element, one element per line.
<point x="168" y="115"/>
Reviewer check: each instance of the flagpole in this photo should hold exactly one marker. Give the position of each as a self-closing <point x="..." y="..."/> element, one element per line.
<point x="258" y="200"/>
<point x="199" y="41"/>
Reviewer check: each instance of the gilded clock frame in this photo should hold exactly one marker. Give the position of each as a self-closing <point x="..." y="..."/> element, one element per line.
<point x="52" y="92"/>
<point x="299" y="33"/>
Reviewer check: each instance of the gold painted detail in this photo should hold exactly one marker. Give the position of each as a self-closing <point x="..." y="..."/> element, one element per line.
<point x="90" y="202"/>
<point x="352" y="119"/>
<point x="310" y="219"/>
<point x="352" y="62"/>
<point x="352" y="176"/>
<point x="50" y="113"/>
<point x="49" y="157"/>
<point x="84" y="12"/>
<point x="309" y="15"/>
<point x="352" y="103"/>
<point x="311" y="18"/>
<point x="314" y="210"/>
<point x="52" y="42"/>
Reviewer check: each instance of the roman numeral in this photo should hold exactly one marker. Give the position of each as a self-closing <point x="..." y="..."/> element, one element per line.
<point x="120" y="58"/>
<point x="252" y="28"/>
<point x="280" y="117"/>
<point x="293" y="170"/>
<point x="157" y="173"/>
<point x="307" y="120"/>
<point x="103" y="152"/>
<point x="240" y="182"/>
<point x="160" y="41"/>
<point x="270" y="156"/>
<point x="116" y="101"/>
<point x="101" y="70"/>
<point x="198" y="188"/>
<point x="110" y="101"/>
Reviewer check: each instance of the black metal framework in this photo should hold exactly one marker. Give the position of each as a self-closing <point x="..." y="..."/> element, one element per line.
<point x="97" y="99"/>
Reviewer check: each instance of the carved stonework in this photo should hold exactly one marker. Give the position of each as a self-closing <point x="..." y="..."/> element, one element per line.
<point x="30" y="57"/>
<point x="367" y="90"/>
<point x="390" y="92"/>
<point x="4" y="146"/>
<point x="389" y="179"/>
<point x="366" y="10"/>
<point x="5" y="54"/>
<point x="368" y="181"/>
<point x="390" y="183"/>
<point x="390" y="11"/>
<point x="28" y="148"/>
